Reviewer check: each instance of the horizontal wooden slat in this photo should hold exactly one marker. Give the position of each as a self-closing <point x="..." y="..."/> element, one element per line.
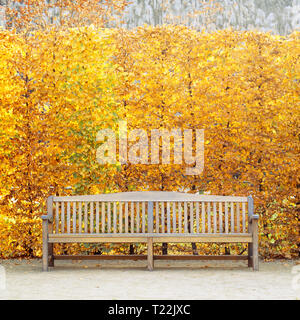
<point x="194" y="257"/>
<point x="203" y="238"/>
<point x="89" y="238"/>
<point x="107" y="238"/>
<point x="144" y="257"/>
<point x="101" y="257"/>
<point x="139" y="196"/>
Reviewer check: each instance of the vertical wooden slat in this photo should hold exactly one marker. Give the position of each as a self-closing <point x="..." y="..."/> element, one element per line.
<point x="97" y="217"/>
<point x="103" y="217"/>
<point x="68" y="216"/>
<point x="215" y="216"/>
<point x="132" y="218"/>
<point x="57" y="217"/>
<point x="179" y="217"/>
<point x="126" y="217"/>
<point x="238" y="217"/>
<point x="150" y="217"/>
<point x="220" y="218"/>
<point x="174" y="217"/>
<point x="108" y="217"/>
<point x="85" y="217"/>
<point x="226" y="217"/>
<point x="162" y="212"/>
<point x="120" y="217"/>
<point x="191" y="217"/>
<point x="244" y="216"/>
<point x="208" y="218"/>
<point x="232" y="216"/>
<point x="80" y="217"/>
<point x="185" y="217"/>
<point x="168" y="217"/>
<point x="197" y="217"/>
<point x="74" y="216"/>
<point x="157" y="216"/>
<point x="91" y="217"/>
<point x="203" y="216"/>
<point x="138" y="217"/>
<point x="143" y="217"/>
<point x="150" y="253"/>
<point x="115" y="217"/>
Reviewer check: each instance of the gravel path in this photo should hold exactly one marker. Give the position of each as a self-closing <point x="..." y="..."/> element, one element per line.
<point x="130" y="280"/>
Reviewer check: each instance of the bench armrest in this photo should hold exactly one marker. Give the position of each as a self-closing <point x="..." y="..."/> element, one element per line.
<point x="47" y="217"/>
<point x="254" y="217"/>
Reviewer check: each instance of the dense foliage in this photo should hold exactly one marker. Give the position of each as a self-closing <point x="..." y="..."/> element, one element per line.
<point x="58" y="88"/>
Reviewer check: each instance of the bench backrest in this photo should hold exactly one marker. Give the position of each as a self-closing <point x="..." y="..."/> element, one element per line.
<point x="150" y="212"/>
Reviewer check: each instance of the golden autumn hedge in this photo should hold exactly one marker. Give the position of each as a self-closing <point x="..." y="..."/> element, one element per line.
<point x="59" y="88"/>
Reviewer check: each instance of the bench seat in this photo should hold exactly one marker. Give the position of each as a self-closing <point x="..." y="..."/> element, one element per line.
<point x="157" y="238"/>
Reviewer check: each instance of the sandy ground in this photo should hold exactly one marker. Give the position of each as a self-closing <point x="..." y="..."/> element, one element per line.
<point x="130" y="280"/>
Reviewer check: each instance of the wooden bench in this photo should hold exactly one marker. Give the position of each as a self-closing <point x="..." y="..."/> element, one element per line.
<point x="150" y="217"/>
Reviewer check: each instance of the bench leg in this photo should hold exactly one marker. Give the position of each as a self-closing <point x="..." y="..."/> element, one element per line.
<point x="45" y="245"/>
<point x="50" y="247"/>
<point x="255" y="244"/>
<point x="50" y="255"/>
<point x="150" y="254"/>
<point x="250" y="254"/>
<point x="250" y="248"/>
